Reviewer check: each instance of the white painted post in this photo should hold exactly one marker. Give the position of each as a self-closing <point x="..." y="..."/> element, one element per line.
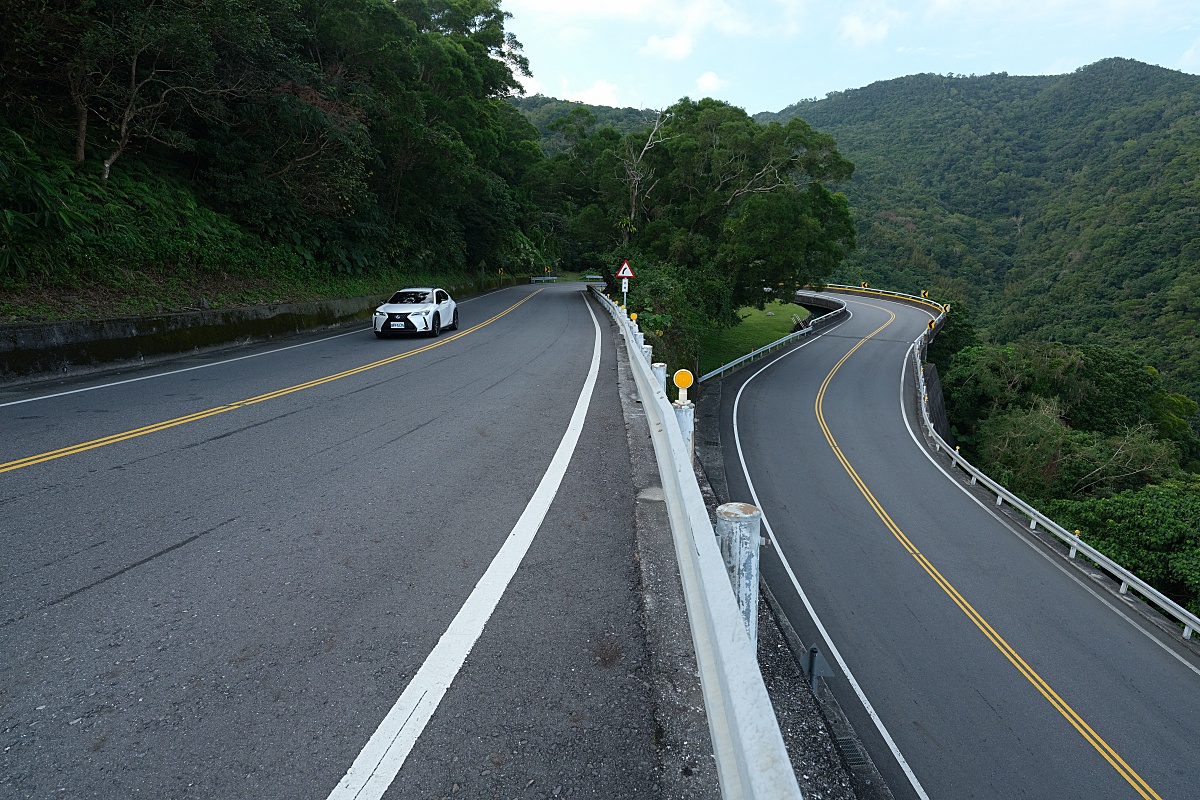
<point x="737" y="532"/>
<point x="659" y="371"/>
<point x="685" y="415"/>
<point x="648" y="352"/>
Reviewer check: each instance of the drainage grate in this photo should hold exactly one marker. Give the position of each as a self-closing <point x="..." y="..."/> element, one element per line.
<point x="851" y="752"/>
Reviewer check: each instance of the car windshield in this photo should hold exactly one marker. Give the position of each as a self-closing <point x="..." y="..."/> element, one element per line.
<point x="409" y="297"/>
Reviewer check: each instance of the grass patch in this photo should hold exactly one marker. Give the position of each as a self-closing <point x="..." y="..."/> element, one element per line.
<point x="758" y="329"/>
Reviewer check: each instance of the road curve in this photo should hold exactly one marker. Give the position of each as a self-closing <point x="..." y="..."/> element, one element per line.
<point x="218" y="575"/>
<point x="994" y="670"/>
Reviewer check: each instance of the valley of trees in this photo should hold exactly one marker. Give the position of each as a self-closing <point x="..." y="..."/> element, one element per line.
<point x="1062" y="208"/>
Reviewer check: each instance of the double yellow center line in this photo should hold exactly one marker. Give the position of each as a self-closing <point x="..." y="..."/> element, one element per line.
<point x="1085" y="730"/>
<point x="74" y="449"/>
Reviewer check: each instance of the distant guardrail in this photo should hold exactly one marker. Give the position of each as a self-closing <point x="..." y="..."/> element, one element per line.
<point x="908" y="298"/>
<point x="751" y="758"/>
<point x="814" y="325"/>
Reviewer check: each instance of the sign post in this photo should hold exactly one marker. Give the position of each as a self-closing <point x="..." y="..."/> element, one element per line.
<point x="625" y="273"/>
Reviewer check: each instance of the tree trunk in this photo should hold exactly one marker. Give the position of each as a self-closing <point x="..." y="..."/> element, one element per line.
<point x="79" y="100"/>
<point x="81" y="122"/>
<point x="108" y="162"/>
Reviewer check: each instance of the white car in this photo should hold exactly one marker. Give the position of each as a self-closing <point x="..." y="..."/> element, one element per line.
<point x="420" y="310"/>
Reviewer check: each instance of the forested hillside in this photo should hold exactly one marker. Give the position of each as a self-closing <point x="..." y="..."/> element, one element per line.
<point x="231" y="144"/>
<point x="547" y="113"/>
<point x="1062" y="208"/>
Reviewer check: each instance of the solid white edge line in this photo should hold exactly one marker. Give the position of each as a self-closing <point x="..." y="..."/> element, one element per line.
<point x="190" y="369"/>
<point x="833" y="650"/>
<point x="174" y="371"/>
<point x="1021" y="535"/>
<point x="385" y="752"/>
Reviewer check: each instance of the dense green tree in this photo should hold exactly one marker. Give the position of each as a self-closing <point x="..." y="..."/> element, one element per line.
<point x="549" y="116"/>
<point x="956" y="333"/>
<point x="1154" y="531"/>
<point x="1060" y="421"/>
<point x="714" y="210"/>
<point x="354" y="133"/>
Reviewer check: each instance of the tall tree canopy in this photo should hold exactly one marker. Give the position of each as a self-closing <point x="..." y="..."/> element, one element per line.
<point x="714" y="210"/>
<point x="349" y="132"/>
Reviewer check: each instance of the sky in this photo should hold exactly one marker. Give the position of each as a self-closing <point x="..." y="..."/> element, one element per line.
<point x="764" y="55"/>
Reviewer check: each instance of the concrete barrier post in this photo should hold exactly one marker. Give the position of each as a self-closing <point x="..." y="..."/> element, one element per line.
<point x="659" y="371"/>
<point x="685" y="415"/>
<point x="737" y="532"/>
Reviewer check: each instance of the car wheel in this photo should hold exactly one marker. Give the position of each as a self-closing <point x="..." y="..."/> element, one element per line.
<point x="454" y="324"/>
<point x="437" y="325"/>
<point x="380" y="335"/>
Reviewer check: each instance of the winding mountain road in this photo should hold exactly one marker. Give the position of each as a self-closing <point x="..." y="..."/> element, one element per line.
<point x="972" y="661"/>
<point x="331" y="566"/>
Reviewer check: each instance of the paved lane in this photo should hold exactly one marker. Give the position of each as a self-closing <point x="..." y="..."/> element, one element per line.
<point x="229" y="606"/>
<point x="995" y="672"/>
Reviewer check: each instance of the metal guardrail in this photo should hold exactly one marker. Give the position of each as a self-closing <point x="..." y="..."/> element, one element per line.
<point x="751" y="759"/>
<point x="1189" y="621"/>
<point x="814" y="324"/>
<point x="912" y="298"/>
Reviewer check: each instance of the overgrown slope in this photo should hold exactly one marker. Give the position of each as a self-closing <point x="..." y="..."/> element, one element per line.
<point x="153" y="154"/>
<point x="1063" y="208"/>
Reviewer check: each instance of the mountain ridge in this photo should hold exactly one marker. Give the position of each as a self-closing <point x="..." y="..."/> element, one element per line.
<point x="1060" y="208"/>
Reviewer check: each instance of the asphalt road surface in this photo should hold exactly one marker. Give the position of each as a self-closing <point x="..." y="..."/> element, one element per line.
<point x="991" y="668"/>
<point x="232" y="575"/>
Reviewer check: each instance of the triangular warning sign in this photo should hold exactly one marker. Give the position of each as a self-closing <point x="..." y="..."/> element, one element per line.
<point x="625" y="271"/>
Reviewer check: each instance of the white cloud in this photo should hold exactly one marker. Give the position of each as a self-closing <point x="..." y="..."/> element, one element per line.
<point x="583" y="9"/>
<point x="672" y="19"/>
<point x="600" y="93"/>
<point x="1190" y="60"/>
<point x="574" y="33"/>
<point x="675" y="48"/>
<point x="870" y="24"/>
<point x="1061" y="66"/>
<point x="1026" y="11"/>
<point x="532" y="85"/>
<point x="710" y="83"/>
